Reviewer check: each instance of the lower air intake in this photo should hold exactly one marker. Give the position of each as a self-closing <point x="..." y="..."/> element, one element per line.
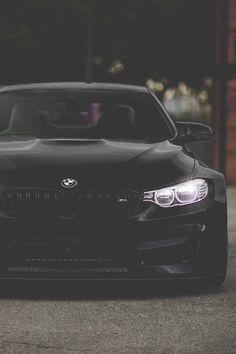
<point x="51" y="260"/>
<point x="30" y="269"/>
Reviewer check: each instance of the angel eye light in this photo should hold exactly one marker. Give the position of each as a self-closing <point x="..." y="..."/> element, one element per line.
<point x="186" y="193"/>
<point x="165" y="197"/>
<point x="182" y="194"/>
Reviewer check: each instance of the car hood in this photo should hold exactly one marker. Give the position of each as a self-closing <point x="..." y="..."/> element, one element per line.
<point x="94" y="163"/>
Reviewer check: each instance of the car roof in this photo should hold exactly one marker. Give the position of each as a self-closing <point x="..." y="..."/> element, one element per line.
<point x="72" y="86"/>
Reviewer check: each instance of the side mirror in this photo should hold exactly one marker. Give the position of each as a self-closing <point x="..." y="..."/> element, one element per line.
<point x="191" y="132"/>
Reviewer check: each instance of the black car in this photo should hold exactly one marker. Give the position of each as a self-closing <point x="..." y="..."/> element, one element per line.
<point x="96" y="182"/>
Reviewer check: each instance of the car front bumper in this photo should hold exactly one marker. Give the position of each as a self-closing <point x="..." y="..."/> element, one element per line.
<point x="188" y="245"/>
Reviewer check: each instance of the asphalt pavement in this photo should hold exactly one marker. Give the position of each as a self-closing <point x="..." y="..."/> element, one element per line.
<point x="98" y="318"/>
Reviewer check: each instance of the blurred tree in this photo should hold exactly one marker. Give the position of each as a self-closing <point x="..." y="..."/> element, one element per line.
<point x="129" y="41"/>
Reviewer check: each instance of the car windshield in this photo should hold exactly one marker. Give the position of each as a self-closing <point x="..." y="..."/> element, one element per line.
<point x="91" y="114"/>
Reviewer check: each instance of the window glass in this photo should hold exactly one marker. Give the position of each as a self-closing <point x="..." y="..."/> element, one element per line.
<point x="91" y="114"/>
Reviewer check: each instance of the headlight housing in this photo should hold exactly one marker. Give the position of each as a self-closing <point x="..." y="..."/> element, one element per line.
<point x="181" y="194"/>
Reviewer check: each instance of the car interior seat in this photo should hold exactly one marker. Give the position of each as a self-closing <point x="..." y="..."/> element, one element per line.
<point x="119" y="120"/>
<point x="24" y="120"/>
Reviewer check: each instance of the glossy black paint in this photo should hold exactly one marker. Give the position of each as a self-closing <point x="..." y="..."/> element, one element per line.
<point x="145" y="242"/>
<point x="190" y="132"/>
<point x="96" y="164"/>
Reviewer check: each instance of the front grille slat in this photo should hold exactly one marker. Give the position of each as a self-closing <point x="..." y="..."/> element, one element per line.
<point x="56" y="203"/>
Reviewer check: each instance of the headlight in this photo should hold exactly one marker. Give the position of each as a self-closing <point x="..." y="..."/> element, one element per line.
<point x="181" y="194"/>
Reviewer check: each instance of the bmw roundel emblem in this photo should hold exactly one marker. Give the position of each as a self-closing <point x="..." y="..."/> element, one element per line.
<point x="69" y="183"/>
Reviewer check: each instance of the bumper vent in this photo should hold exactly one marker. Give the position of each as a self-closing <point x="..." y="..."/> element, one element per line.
<point x="46" y="270"/>
<point x="72" y="261"/>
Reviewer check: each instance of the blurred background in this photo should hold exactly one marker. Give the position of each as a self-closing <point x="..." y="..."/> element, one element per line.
<point x="183" y="50"/>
